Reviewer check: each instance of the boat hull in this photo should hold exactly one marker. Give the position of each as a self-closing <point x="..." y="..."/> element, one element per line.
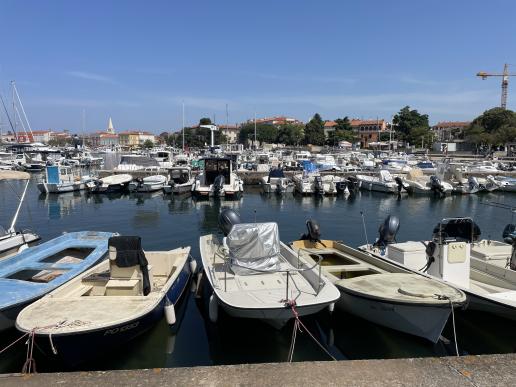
<point x="426" y="321"/>
<point x="75" y="348"/>
<point x="61" y="188"/>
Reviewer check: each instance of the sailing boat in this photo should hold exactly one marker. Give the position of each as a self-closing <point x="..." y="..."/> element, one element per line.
<point x="12" y="241"/>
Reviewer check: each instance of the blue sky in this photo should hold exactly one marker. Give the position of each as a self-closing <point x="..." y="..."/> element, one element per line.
<point x="137" y="60"/>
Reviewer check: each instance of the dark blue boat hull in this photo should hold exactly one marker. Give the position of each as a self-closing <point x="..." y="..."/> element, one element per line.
<point x="73" y="349"/>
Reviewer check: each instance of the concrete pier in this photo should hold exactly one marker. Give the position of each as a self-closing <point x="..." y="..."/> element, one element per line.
<point x="486" y="370"/>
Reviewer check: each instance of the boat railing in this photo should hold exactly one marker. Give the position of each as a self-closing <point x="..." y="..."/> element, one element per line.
<point x="227" y="263"/>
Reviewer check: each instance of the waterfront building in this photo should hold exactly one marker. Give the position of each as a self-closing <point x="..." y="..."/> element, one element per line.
<point x="329" y="126"/>
<point x="277" y="121"/>
<point x="231" y="132"/>
<point x="368" y="130"/>
<point x="134" y="138"/>
<point x="41" y="136"/>
<point x="447" y="131"/>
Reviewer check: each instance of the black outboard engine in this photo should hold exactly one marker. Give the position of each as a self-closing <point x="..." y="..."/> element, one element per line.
<point x="313" y="233"/>
<point x="436" y="185"/>
<point x="227" y="219"/>
<point x="318" y="184"/>
<point x="400" y="183"/>
<point x="218" y="184"/>
<point x="387" y="231"/>
<point x="509" y="236"/>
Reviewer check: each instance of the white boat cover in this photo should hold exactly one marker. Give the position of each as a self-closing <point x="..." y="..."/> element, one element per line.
<point x="254" y="246"/>
<point x="385" y="176"/>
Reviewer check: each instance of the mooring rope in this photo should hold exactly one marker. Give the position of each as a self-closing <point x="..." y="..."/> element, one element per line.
<point x="297" y="324"/>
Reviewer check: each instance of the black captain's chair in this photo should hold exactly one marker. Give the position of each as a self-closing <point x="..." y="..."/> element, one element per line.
<point x="129" y="253"/>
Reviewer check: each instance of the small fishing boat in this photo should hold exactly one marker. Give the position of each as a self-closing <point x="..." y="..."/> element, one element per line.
<point x="380" y="292"/>
<point x="108" y="184"/>
<point x="29" y="275"/>
<point x="276" y="182"/>
<point x="59" y="179"/>
<point x="384" y="182"/>
<point x="254" y="275"/>
<point x="148" y="184"/>
<point x="180" y="180"/>
<point x="418" y="183"/>
<point x="112" y="303"/>
<point x="12" y="241"/>
<point x="455" y="255"/>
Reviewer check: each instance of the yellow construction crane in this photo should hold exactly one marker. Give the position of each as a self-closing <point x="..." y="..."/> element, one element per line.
<point x="505" y="82"/>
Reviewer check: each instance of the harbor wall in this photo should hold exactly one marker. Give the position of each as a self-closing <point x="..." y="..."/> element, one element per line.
<point x="485" y="370"/>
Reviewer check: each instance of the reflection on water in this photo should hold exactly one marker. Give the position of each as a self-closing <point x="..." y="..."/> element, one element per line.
<point x="166" y="221"/>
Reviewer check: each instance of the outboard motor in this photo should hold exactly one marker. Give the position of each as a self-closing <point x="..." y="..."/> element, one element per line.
<point x="218" y="184"/>
<point x="228" y="218"/>
<point x="387" y="231"/>
<point x="400" y="183"/>
<point x="313" y="233"/>
<point x="318" y="185"/>
<point x="436" y="186"/>
<point x="473" y="183"/>
<point x="509" y="236"/>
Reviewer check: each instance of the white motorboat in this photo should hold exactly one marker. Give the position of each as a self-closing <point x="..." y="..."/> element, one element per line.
<point x="12" y="241"/>
<point x="59" y="179"/>
<point x="452" y="256"/>
<point x="134" y="162"/>
<point x="254" y="275"/>
<point x="383" y="182"/>
<point x="453" y="173"/>
<point x="507" y="184"/>
<point x="148" y="184"/>
<point x="489" y="183"/>
<point x="111" y="183"/>
<point x="277" y="182"/>
<point x="418" y="183"/>
<point x="180" y="180"/>
<point x="380" y="292"/>
<point x="218" y="179"/>
<point x="482" y="167"/>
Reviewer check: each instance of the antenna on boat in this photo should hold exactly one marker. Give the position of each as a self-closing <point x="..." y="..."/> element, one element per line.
<point x="255" y="215"/>
<point x="363" y="224"/>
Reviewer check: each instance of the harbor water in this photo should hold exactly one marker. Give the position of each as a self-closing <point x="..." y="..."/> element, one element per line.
<point x="166" y="222"/>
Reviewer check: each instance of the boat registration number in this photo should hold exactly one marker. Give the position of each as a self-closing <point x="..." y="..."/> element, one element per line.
<point x="121" y="329"/>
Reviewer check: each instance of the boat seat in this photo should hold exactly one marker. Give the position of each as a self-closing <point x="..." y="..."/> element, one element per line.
<point x="127" y="263"/>
<point x="123" y="287"/>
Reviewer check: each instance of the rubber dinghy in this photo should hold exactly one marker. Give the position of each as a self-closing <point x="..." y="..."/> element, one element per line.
<point x="29" y="275"/>
<point x="380" y="292"/>
<point x="112" y="303"/>
<point x="254" y="275"/>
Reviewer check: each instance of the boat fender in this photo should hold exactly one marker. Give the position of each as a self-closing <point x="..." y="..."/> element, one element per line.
<point x="193" y="265"/>
<point x="331" y="307"/>
<point x="23" y="247"/>
<point x="213" y="310"/>
<point x="170" y="312"/>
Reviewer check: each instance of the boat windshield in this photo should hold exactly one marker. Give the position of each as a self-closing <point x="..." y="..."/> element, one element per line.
<point x="216" y="167"/>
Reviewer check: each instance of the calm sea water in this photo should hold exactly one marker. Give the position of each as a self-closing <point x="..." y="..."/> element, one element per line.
<point x="165" y="223"/>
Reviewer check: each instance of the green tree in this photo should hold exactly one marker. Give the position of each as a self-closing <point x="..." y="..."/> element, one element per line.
<point x="205" y="121"/>
<point x="412" y="126"/>
<point x="340" y="135"/>
<point x="264" y="133"/>
<point x="314" y="131"/>
<point x="343" y="124"/>
<point x="495" y="126"/>
<point x="148" y="144"/>
<point x="290" y="134"/>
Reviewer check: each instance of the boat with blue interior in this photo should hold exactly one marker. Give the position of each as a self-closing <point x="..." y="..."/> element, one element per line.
<point x="31" y="274"/>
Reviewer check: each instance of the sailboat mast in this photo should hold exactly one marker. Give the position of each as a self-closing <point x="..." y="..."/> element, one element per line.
<point x="15" y="218"/>
<point x="183" y="127"/>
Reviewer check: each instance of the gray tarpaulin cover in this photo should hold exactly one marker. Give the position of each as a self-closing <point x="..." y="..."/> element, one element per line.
<point x="254" y="245"/>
